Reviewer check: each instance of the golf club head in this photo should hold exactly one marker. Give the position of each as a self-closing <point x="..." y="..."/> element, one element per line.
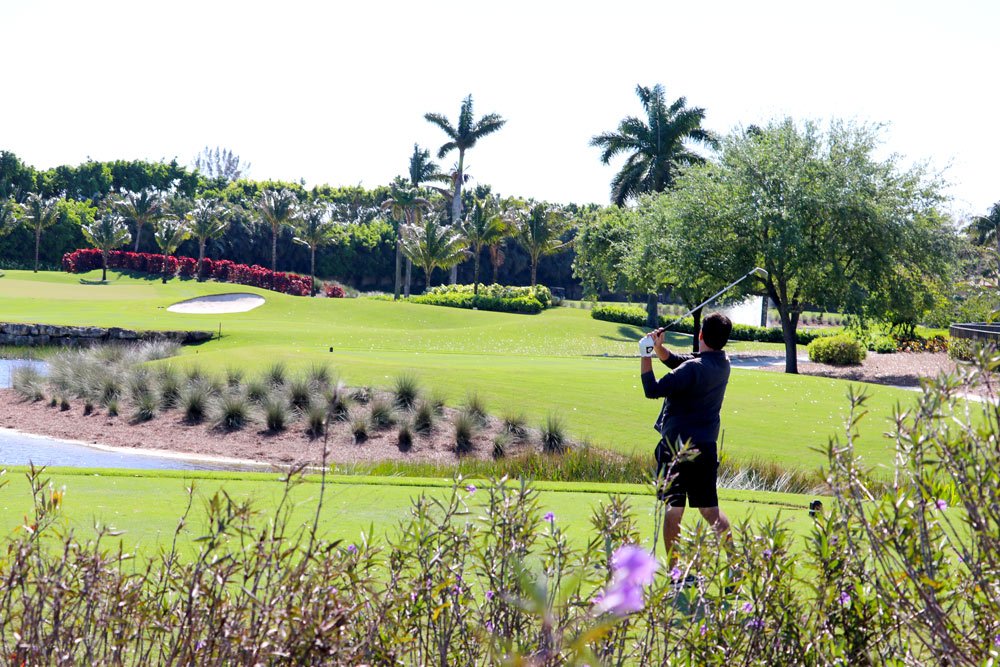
<point x="759" y="272"/>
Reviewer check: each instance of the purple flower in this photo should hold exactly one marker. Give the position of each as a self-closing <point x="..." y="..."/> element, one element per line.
<point x="747" y="607"/>
<point x="703" y="629"/>
<point x="413" y="596"/>
<point x="845" y="599"/>
<point x="755" y="623"/>
<point x="351" y="549"/>
<point x="676" y="574"/>
<point x="767" y="553"/>
<point x="200" y="645"/>
<point x="489" y="595"/>
<point x="550" y="517"/>
<point x="996" y="640"/>
<point x="489" y="626"/>
<point x="940" y="504"/>
<point x="471" y="488"/>
<point x="632" y="568"/>
<point x="456" y="590"/>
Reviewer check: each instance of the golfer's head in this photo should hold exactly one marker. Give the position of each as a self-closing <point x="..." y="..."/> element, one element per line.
<point x="715" y="330"/>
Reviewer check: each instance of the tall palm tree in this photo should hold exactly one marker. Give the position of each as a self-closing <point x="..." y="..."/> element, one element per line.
<point x="431" y="244"/>
<point x="169" y="235"/>
<point x="422" y="169"/>
<point x="106" y="233"/>
<point x="407" y="207"/>
<point x="484" y="226"/>
<point x="539" y="229"/>
<point x="317" y="225"/>
<point x="656" y="146"/>
<point x="207" y="219"/>
<point x="39" y="213"/>
<point x="140" y="208"/>
<point x="462" y="137"/>
<point x="277" y="208"/>
<point x="986" y="229"/>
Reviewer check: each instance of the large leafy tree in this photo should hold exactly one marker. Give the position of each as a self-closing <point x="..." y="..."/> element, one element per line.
<point x="207" y="220"/>
<point x="431" y="244"/>
<point x="406" y="206"/>
<point x="140" y="208"/>
<point x="985" y="229"/>
<point x="277" y="209"/>
<point x="833" y="224"/>
<point x="169" y="235"/>
<point x="461" y="137"/>
<point x="539" y="229"/>
<point x="484" y="226"/>
<point x="656" y="146"/>
<point x="39" y="213"/>
<point x="317" y="225"/>
<point x="108" y="232"/>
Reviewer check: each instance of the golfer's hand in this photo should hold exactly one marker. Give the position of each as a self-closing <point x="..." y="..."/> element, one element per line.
<point x="661" y="352"/>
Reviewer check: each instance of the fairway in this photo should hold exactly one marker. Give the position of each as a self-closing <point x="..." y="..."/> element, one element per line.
<point x="147" y="505"/>
<point x="559" y="361"/>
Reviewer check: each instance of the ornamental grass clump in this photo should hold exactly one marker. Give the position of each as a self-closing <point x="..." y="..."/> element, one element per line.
<point x="516" y="425"/>
<point x="406" y="390"/>
<point x="501" y="443"/>
<point x="145" y="407"/>
<point x="28" y="383"/>
<point x="360" y="427"/>
<point x="300" y="394"/>
<point x="320" y="375"/>
<point x="257" y="390"/>
<point x="169" y="384"/>
<point x="276" y="374"/>
<point x="338" y="401"/>
<point x="553" y="435"/>
<point x="234" y="376"/>
<point x="465" y="425"/>
<point x="194" y="401"/>
<point x="424" y="417"/>
<point x="475" y="407"/>
<point x="438" y="400"/>
<point x="381" y="413"/>
<point x="315" y="421"/>
<point x="405" y="436"/>
<point x="232" y="411"/>
<point x="362" y="395"/>
<point x="277" y="414"/>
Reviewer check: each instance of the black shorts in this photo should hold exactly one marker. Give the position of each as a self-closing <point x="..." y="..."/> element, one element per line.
<point x="693" y="478"/>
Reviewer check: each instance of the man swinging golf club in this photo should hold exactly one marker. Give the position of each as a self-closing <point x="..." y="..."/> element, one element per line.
<point x="692" y="399"/>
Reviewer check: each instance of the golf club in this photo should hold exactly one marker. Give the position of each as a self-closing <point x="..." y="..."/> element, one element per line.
<point x="756" y="271"/>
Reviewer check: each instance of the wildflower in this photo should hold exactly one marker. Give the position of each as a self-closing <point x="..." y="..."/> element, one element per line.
<point x="845" y="599"/>
<point x="471" y="488"/>
<point x="747" y="607"/>
<point x="941" y="505"/>
<point x="703" y="629"/>
<point x="996" y="640"/>
<point x="550" y="517"/>
<point x="632" y="568"/>
<point x="676" y="574"/>
<point x="767" y="553"/>
<point x="489" y="595"/>
<point x="489" y="626"/>
<point x="200" y="645"/>
<point x="755" y="623"/>
<point x="351" y="549"/>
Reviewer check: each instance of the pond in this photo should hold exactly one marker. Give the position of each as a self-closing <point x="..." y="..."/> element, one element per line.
<point x="21" y="448"/>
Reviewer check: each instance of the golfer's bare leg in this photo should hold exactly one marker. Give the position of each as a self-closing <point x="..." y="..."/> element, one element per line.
<point x="671" y="528"/>
<point x="716" y="518"/>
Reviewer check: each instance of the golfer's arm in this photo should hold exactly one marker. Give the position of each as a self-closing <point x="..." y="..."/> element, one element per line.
<point x="667" y="385"/>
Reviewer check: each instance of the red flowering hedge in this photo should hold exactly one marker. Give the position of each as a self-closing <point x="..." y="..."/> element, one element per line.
<point x="81" y="261"/>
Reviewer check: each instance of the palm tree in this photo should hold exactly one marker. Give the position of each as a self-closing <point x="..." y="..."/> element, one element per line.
<point x="986" y="229"/>
<point x="422" y="169"/>
<point x="9" y="214"/>
<point x="140" y="208"/>
<point x="407" y="207"/>
<point x="316" y="226"/>
<point x="656" y="145"/>
<point x="277" y="208"/>
<point x="207" y="219"/>
<point x="106" y="233"/>
<point x="463" y="137"/>
<point x="169" y="235"/>
<point x="538" y="231"/>
<point x="39" y="213"/>
<point x="431" y="244"/>
<point x="484" y="226"/>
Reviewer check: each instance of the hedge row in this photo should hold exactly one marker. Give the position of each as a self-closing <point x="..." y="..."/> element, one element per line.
<point x="223" y="270"/>
<point x="636" y="316"/>
<point x="541" y="293"/>
<point x="522" y="304"/>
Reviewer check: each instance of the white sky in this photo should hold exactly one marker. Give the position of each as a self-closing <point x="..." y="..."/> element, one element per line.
<point x="335" y="92"/>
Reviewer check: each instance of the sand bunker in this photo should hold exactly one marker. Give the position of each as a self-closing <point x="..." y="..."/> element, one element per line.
<point x="218" y="303"/>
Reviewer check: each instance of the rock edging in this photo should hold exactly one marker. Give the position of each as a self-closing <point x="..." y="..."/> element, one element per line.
<point x="33" y="335"/>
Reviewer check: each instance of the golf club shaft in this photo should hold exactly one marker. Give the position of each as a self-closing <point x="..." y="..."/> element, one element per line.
<point x="725" y="289"/>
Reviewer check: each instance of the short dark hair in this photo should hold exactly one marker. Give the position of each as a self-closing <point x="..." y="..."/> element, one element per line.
<point x="715" y="329"/>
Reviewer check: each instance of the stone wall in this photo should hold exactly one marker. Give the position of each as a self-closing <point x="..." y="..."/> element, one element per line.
<point x="29" y="335"/>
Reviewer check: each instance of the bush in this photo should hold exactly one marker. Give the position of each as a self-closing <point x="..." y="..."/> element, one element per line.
<point x="522" y="305"/>
<point x="234" y="376"/>
<point x="334" y="291"/>
<point x="28" y="383"/>
<point x="967" y="349"/>
<point x="319" y="374"/>
<point x="540" y="293"/>
<point x="838" y="350"/>
<point x="883" y="345"/>
<point x="501" y="441"/>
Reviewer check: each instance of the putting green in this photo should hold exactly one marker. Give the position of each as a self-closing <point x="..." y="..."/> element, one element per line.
<point x="146" y="505"/>
<point x="559" y="361"/>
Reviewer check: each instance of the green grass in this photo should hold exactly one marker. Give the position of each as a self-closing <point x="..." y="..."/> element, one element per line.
<point x="147" y="504"/>
<point x="561" y="361"/>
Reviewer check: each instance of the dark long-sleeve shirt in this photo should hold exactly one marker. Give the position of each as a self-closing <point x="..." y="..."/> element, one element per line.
<point x="692" y="396"/>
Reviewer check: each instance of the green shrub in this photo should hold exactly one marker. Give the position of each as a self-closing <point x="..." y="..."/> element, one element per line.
<point x="28" y="383"/>
<point x="362" y="395"/>
<point x="838" y="350"/>
<point x="112" y="407"/>
<point x="539" y="293"/>
<point x="523" y="305"/>
<point x="883" y="345"/>
<point x="967" y="349"/>
<point x="170" y="388"/>
<point x="501" y="441"/>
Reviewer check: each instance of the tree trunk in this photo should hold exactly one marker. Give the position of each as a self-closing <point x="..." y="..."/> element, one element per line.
<point x="428" y="270"/>
<point x="475" y="275"/>
<point x="456" y="203"/>
<point x="164" y="271"/>
<point x="453" y="276"/>
<point x="312" y="271"/>
<point x="104" y="266"/>
<point x="38" y="242"/>
<point x="138" y="231"/>
<point x="496" y="269"/>
<point x="789" y="321"/>
<point x="409" y="278"/>
<point x="763" y="311"/>
<point x="274" y="248"/>
<point x="696" y="316"/>
<point x="201" y="257"/>
<point x="652" y="310"/>
<point x="534" y="273"/>
<point x="399" y="267"/>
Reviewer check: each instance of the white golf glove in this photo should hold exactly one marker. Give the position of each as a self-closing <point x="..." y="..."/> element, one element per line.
<point x="646" y="347"/>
